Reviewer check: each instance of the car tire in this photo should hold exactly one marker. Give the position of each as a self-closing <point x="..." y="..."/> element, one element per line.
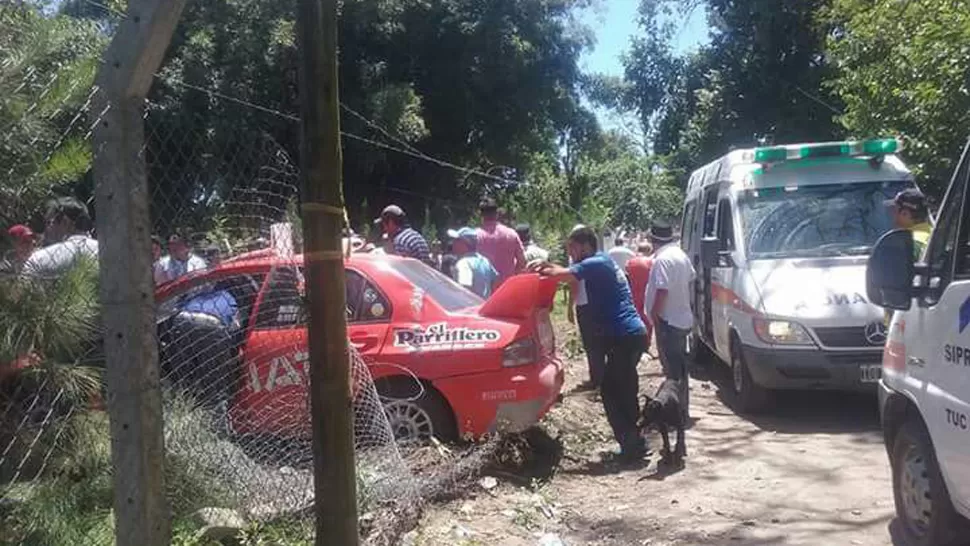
<point x="749" y="397"/>
<point x="416" y="414"/>
<point x="923" y="506"/>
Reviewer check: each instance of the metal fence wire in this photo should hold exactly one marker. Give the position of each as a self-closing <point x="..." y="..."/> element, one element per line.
<point x="230" y="322"/>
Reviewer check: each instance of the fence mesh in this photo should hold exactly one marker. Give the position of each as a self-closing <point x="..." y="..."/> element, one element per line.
<point x="230" y="320"/>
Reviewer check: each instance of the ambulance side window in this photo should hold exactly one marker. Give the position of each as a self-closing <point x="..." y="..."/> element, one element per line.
<point x="963" y="244"/>
<point x="943" y="245"/>
<point x="725" y="225"/>
<point x="710" y="203"/>
<point x="687" y="229"/>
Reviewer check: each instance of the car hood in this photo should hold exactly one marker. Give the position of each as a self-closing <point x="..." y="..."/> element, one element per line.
<point x="825" y="289"/>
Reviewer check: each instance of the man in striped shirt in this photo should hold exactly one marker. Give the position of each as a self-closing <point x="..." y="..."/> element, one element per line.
<point x="407" y="241"/>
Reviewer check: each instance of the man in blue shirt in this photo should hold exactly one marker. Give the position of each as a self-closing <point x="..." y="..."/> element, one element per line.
<point x="472" y="270"/>
<point x="618" y="328"/>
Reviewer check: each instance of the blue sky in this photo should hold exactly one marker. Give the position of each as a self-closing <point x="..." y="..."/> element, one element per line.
<point x="613" y="22"/>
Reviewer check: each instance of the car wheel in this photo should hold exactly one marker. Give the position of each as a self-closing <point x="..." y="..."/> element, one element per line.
<point x="416" y="417"/>
<point x="922" y="503"/>
<point x="749" y="397"/>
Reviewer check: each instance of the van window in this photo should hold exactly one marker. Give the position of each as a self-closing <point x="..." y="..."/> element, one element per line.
<point x="815" y="221"/>
<point x="940" y="254"/>
<point x="687" y="227"/>
<point x="710" y="210"/>
<point x="725" y="225"/>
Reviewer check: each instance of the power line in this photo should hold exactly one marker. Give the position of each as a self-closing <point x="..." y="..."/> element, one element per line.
<point x="352" y="136"/>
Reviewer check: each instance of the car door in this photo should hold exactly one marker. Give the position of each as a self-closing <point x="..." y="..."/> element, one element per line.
<point x="273" y="397"/>
<point x="942" y="359"/>
<point x="723" y="277"/>
<point x="368" y="315"/>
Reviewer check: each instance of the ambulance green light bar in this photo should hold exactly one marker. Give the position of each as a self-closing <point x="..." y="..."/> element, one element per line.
<point x="851" y="148"/>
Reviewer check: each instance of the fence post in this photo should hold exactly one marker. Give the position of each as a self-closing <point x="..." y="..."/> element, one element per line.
<point x="127" y="290"/>
<point x="323" y="221"/>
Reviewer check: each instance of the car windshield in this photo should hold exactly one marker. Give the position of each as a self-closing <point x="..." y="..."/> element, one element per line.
<point x="450" y="295"/>
<point x="815" y="221"/>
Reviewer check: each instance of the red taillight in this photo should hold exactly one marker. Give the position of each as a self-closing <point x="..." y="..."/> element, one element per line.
<point x="520" y="353"/>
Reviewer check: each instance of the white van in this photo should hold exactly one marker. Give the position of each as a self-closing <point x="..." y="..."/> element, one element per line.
<point x="924" y="394"/>
<point x="779" y="237"/>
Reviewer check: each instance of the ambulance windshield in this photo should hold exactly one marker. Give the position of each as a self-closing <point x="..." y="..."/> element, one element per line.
<point x="817" y="220"/>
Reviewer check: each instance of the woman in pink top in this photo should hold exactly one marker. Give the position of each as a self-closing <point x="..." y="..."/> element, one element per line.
<point x="499" y="243"/>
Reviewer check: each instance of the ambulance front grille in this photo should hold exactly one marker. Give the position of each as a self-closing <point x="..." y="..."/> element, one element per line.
<point x="851" y="336"/>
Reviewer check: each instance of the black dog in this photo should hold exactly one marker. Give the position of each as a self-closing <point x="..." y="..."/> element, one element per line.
<point x="662" y="413"/>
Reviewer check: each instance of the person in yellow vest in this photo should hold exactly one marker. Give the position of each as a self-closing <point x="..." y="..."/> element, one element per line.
<point x="910" y="212"/>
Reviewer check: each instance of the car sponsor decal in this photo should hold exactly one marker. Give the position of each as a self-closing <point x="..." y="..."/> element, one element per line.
<point x="965" y="314"/>
<point x="957" y="419"/>
<point x="284" y="371"/>
<point x="490" y="396"/>
<point x="441" y="337"/>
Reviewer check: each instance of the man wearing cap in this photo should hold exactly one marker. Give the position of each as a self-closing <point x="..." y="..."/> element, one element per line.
<point x="406" y="240"/>
<point x="619" y="329"/>
<point x="180" y="261"/>
<point x="532" y="251"/>
<point x="667" y="305"/>
<point x="472" y="270"/>
<point x="66" y="225"/>
<point x="911" y="213"/>
<point x="22" y="238"/>
<point x="499" y="243"/>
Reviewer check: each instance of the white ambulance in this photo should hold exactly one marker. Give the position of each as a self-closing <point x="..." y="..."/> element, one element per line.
<point x="779" y="237"/>
<point x="924" y="394"/>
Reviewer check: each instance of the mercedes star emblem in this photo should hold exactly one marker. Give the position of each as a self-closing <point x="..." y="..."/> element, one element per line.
<point x="876" y="333"/>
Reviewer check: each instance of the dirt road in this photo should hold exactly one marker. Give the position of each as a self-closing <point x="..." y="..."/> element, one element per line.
<point x="813" y="473"/>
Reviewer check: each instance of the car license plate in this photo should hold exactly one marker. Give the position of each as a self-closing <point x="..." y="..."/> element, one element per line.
<point x="870" y="373"/>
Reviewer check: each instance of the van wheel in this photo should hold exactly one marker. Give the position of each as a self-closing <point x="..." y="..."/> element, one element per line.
<point x="749" y="397"/>
<point x="922" y="503"/>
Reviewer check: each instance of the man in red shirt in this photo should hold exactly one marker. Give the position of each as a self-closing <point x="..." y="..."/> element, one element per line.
<point x="638" y="271"/>
<point x="499" y="243"/>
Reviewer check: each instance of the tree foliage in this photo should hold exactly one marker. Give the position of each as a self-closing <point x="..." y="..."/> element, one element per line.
<point x="47" y="66"/>
<point x="904" y="68"/>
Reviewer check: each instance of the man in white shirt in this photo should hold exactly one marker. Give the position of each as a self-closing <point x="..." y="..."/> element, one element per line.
<point x="533" y="252"/>
<point x="180" y="261"/>
<point x="620" y="254"/>
<point x="66" y="225"/>
<point x="667" y="305"/>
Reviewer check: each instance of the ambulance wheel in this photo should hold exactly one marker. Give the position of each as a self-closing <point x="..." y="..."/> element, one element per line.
<point x="749" y="397"/>
<point x="923" y="506"/>
<point x="416" y="413"/>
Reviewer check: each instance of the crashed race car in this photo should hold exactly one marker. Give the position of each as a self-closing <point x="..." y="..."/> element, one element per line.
<point x="446" y="363"/>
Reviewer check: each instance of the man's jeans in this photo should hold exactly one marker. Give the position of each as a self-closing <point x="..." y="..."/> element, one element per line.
<point x="672" y="346"/>
<point x="620" y="388"/>
<point x="592" y="345"/>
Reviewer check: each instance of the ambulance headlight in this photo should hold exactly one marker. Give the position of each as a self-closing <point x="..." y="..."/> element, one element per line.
<point x="781" y="332"/>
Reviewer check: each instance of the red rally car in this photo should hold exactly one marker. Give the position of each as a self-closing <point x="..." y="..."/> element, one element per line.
<point x="446" y="363"/>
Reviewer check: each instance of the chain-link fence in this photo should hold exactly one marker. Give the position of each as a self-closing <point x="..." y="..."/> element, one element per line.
<point x="230" y="324"/>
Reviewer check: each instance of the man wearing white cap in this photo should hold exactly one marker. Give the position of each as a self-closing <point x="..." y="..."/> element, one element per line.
<point x="472" y="270"/>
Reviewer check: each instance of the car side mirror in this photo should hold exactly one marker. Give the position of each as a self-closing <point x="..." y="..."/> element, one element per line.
<point x="710" y="249"/>
<point x="890" y="271"/>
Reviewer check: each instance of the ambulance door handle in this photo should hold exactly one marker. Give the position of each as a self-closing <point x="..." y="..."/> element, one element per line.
<point x="916" y="362"/>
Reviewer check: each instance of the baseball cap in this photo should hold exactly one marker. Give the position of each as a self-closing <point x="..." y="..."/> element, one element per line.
<point x="20" y="232"/>
<point x="910" y="199"/>
<point x="391" y="211"/>
<point x="466" y="233"/>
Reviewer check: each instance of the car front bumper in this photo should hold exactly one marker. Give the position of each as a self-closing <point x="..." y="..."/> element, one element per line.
<point x="506" y="400"/>
<point x="810" y="369"/>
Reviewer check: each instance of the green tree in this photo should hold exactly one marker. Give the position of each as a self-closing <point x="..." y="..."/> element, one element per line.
<point x="47" y="66"/>
<point x="903" y="68"/>
<point x="761" y="78"/>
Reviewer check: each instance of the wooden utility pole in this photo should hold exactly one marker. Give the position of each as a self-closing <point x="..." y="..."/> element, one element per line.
<point x="331" y="402"/>
<point x="127" y="290"/>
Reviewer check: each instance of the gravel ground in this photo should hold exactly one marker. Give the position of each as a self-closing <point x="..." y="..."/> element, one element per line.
<point x="813" y="471"/>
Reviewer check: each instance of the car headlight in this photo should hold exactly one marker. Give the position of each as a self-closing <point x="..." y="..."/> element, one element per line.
<point x="781" y="332"/>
